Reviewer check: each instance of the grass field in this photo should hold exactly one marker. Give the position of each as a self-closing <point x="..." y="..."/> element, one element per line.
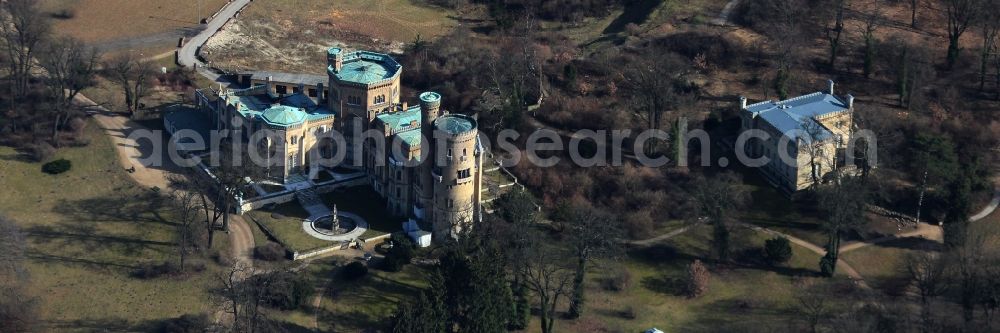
<point x="354" y="306"/>
<point x="286" y="226"/>
<point x="738" y="296"/>
<point x="88" y="229"/>
<point x="104" y="20"/>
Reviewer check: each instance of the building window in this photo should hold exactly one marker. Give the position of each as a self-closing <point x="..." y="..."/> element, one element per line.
<point x="295" y="140"/>
<point x="312" y="92"/>
<point x="280" y="89"/>
<point x="296" y="90"/>
<point x="462" y="174"/>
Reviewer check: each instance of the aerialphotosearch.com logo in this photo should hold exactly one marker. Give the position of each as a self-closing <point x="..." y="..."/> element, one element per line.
<point x="543" y="147"/>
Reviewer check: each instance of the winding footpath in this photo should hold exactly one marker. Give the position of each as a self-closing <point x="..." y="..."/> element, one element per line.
<point x="927" y="231"/>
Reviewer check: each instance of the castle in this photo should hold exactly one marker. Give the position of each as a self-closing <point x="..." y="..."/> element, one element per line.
<point x="437" y="182"/>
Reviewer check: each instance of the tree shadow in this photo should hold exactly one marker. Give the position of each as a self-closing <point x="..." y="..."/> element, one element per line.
<point x="144" y="208"/>
<point x="673" y="286"/>
<point x="913" y="243"/>
<point x="636" y="12"/>
<point x="104" y="325"/>
<point x="86" y="263"/>
<point x="91" y="240"/>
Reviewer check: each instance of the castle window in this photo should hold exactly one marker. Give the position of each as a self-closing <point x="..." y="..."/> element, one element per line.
<point x="462" y="174"/>
<point x="295" y="140"/>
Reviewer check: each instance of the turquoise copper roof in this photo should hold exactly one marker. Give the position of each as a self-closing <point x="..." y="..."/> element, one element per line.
<point x="283" y="115"/>
<point x="401" y="120"/>
<point x="366" y="67"/>
<point x="411" y="137"/>
<point x="797" y="115"/>
<point x="455" y="123"/>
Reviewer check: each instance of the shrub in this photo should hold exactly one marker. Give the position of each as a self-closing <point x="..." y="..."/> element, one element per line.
<point x="269" y="252"/>
<point x="696" y="283"/>
<point x="64" y="14"/>
<point x="620" y="281"/>
<point x="188" y="323"/>
<point x="288" y="291"/>
<point x="627" y="313"/>
<point x="354" y="271"/>
<point x="638" y="225"/>
<point x="152" y="270"/>
<point x="400" y="254"/>
<point x="42" y="151"/>
<point x="56" y="167"/>
<point x="777" y="250"/>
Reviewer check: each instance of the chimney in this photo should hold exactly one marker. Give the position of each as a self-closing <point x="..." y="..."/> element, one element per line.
<point x="320" y="93"/>
<point x="743" y="103"/>
<point x="830" y="82"/>
<point x="270" y="86"/>
<point x="850" y="101"/>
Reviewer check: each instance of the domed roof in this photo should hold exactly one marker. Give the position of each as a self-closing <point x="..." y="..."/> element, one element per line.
<point x="283" y="115"/>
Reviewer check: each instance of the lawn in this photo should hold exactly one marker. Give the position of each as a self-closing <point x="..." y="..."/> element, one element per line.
<point x="105" y="20"/>
<point x="739" y="297"/>
<point x="88" y="229"/>
<point x="354" y="306"/>
<point x="364" y="201"/>
<point x="285" y="224"/>
<point x="882" y="265"/>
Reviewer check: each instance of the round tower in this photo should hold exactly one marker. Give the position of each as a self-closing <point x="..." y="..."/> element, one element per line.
<point x="455" y="179"/>
<point x="430" y="109"/>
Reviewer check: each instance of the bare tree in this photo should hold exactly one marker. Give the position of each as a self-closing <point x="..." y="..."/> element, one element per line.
<point x="814" y="307"/>
<point x="13" y="244"/>
<point x="545" y="272"/>
<point x="133" y="76"/>
<point x="815" y="143"/>
<point x="990" y="24"/>
<point x="24" y="28"/>
<point x="232" y="176"/>
<point x="187" y="209"/>
<point x="834" y="33"/>
<point x="19" y="311"/>
<point x="868" y="33"/>
<point x="244" y="294"/>
<point x="913" y="13"/>
<point x="651" y="82"/>
<point x="926" y="272"/>
<point x="969" y="261"/>
<point x="961" y="15"/>
<point x="717" y="198"/>
<point x="593" y="234"/>
<point x="70" y="67"/>
<point x="843" y="203"/>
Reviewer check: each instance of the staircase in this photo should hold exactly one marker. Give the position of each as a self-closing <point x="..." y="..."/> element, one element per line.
<point x="312" y="203"/>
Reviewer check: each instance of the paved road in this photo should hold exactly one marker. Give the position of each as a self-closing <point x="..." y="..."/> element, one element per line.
<point x="188" y="55"/>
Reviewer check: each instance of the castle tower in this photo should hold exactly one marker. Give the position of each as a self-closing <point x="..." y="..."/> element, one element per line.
<point x="430" y="109"/>
<point x="455" y="180"/>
